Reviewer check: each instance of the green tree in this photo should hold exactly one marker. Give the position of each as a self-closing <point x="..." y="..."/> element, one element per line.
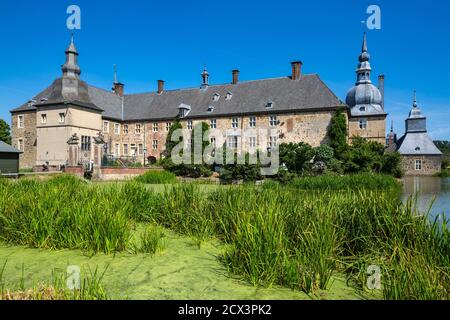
<point x="5" y="132"/>
<point x="337" y="132"/>
<point x="392" y="164"/>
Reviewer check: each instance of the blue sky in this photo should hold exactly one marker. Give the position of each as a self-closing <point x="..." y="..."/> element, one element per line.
<point x="172" y="40"/>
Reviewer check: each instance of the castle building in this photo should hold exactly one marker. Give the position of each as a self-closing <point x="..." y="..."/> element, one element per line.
<point x="366" y="102"/>
<point x="420" y="156"/>
<point x="295" y="108"/>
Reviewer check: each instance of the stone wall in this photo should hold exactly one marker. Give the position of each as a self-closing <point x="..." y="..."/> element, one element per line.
<point x="309" y="127"/>
<point x="375" y="131"/>
<point x="109" y="174"/>
<point x="28" y="134"/>
<point x="430" y="165"/>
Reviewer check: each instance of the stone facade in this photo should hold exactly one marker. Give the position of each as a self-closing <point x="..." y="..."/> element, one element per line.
<point x="375" y="128"/>
<point x="26" y="133"/>
<point x="429" y="165"/>
<point x="130" y="139"/>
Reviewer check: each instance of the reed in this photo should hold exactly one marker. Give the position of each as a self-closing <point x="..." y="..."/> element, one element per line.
<point x="292" y="235"/>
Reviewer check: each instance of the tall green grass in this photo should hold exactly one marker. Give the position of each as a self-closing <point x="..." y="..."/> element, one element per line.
<point x="348" y="182"/>
<point x="157" y="177"/>
<point x="275" y="234"/>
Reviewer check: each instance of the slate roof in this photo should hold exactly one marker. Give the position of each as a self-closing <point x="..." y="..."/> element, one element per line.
<point x="6" y="148"/>
<point x="247" y="97"/>
<point x="417" y="143"/>
<point x="54" y="95"/>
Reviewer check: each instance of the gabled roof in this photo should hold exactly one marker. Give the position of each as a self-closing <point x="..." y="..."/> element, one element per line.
<point x="6" y="148"/>
<point x="248" y="97"/>
<point x="308" y="93"/>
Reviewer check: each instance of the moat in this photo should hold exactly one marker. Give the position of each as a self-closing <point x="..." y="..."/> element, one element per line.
<point x="429" y="190"/>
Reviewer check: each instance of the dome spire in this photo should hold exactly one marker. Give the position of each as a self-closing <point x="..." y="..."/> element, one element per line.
<point x="71" y="69"/>
<point x="364" y="98"/>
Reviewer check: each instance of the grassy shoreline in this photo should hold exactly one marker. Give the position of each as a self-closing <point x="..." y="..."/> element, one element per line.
<point x="298" y="236"/>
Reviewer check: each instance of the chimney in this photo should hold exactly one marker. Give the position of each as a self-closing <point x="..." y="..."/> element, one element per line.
<point x="381" y="88"/>
<point x="235" y="76"/>
<point x="119" y="88"/>
<point x="160" y="86"/>
<point x="296" y="70"/>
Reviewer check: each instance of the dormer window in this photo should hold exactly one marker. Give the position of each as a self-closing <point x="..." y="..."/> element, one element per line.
<point x="362" y="109"/>
<point x="216" y="97"/>
<point x="229" y="95"/>
<point x="417" y="149"/>
<point x="183" y="110"/>
<point x="269" y="105"/>
<point x="210" y="108"/>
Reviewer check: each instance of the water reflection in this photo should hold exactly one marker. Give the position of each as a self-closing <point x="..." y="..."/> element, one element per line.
<point x="429" y="189"/>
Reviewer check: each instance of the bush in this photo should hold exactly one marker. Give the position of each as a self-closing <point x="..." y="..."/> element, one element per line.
<point x="296" y="157"/>
<point x="157" y="177"/>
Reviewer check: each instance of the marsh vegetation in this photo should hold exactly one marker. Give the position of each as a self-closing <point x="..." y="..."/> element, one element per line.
<point x="297" y="235"/>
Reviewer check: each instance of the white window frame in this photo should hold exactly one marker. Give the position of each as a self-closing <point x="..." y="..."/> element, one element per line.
<point x="155" y="127"/>
<point x="21" y="121"/>
<point x="213" y="123"/>
<point x="140" y="149"/>
<point x="20" y="145"/>
<point x="234" y="123"/>
<point x="117" y="128"/>
<point x="105" y="126"/>
<point x="252" y="121"/>
<point x="133" y="147"/>
<point x="125" y="149"/>
<point x="362" y="124"/>
<point x="62" y="117"/>
<point x="43" y="118"/>
<point x="232" y="142"/>
<point x="189" y="125"/>
<point x="155" y="144"/>
<point x="137" y="128"/>
<point x="273" y="141"/>
<point x="418" y="164"/>
<point x="252" y="142"/>
<point x="273" y="121"/>
<point x="117" y="150"/>
<point x="168" y="125"/>
<point x="125" y="129"/>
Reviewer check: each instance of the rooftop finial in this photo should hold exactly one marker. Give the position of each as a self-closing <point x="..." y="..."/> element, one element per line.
<point x="415" y="99"/>
<point x="392" y="125"/>
<point x="364" y="56"/>
<point x="364" y="45"/>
